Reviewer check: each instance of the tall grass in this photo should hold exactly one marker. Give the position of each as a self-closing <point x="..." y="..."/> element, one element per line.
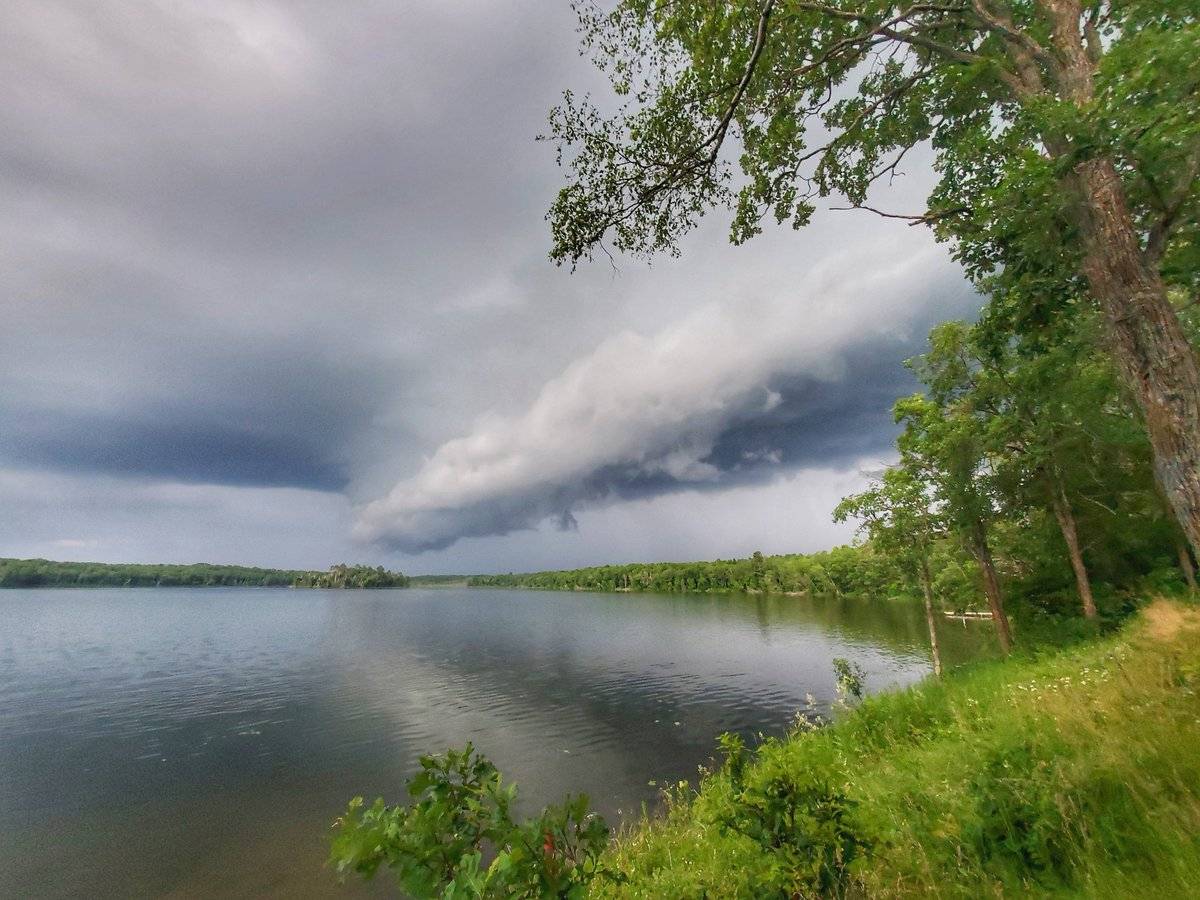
<point x="1075" y="775"/>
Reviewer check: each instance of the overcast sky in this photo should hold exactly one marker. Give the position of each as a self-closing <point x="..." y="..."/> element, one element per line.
<point x="275" y="291"/>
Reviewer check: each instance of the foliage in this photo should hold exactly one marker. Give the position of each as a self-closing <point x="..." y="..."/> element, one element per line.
<point x="1072" y="773"/>
<point x="850" y="679"/>
<point x="343" y="576"/>
<point x="461" y="811"/>
<point x="47" y="573"/>
<point x="805" y="824"/>
<point x="842" y="570"/>
<point x="745" y="105"/>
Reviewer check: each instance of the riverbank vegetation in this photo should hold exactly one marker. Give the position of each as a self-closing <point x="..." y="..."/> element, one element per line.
<point x="1067" y="774"/>
<point x="48" y="573"/>
<point x="842" y="570"/>
<point x="1070" y="772"/>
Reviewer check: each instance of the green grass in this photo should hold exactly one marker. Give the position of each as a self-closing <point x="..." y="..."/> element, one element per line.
<point x="1076" y="774"/>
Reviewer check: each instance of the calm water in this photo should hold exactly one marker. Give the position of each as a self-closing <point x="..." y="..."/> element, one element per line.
<point x="197" y="742"/>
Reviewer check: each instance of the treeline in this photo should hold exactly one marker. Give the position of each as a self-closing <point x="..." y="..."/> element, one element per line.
<point x="343" y="576"/>
<point x="48" y="573"/>
<point x="15" y="573"/>
<point x="1025" y="472"/>
<point x="842" y="570"/>
<point x="438" y="580"/>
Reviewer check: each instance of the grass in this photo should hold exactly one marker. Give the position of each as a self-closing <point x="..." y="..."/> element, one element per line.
<point x="1073" y="774"/>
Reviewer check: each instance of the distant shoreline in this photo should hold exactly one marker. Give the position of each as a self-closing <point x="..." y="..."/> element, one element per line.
<point x="46" y="573"/>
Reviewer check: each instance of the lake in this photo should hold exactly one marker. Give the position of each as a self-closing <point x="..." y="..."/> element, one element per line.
<point x="199" y="741"/>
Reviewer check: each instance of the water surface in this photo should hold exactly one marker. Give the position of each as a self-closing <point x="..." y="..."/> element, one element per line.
<point x="198" y="742"/>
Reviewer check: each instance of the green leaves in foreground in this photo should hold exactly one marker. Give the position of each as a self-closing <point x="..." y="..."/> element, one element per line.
<point x="460" y="816"/>
<point x="805" y="824"/>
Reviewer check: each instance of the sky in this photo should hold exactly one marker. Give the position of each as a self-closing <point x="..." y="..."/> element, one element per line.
<point x="274" y="290"/>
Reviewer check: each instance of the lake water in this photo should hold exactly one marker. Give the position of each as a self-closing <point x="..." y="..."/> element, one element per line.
<point x="198" y="742"/>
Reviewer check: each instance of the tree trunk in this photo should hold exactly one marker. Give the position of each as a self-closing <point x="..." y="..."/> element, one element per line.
<point x="927" y="590"/>
<point x="1148" y="340"/>
<point x="1185" y="564"/>
<point x="1066" y="522"/>
<point x="991" y="587"/>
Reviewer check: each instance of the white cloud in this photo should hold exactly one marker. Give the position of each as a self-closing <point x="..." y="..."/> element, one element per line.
<point x="641" y="406"/>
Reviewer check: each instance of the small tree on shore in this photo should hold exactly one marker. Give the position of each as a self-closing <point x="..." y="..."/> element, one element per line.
<point x="895" y="514"/>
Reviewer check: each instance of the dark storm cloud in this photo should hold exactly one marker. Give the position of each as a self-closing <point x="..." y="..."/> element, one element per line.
<point x="237" y="414"/>
<point x="823" y="422"/>
<point x="280" y="245"/>
<point x="194" y="186"/>
<point x="169" y="444"/>
<point x="733" y="393"/>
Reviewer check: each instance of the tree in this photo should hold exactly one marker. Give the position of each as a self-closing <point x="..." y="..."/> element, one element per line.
<point x="944" y="445"/>
<point x="896" y="515"/>
<point x="1051" y="401"/>
<point x="1066" y="132"/>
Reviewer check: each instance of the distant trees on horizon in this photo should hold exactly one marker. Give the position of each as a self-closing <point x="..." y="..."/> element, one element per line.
<point x="16" y="573"/>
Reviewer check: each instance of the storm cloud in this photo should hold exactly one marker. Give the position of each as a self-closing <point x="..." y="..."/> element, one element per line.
<point x="291" y="257"/>
<point x="732" y="389"/>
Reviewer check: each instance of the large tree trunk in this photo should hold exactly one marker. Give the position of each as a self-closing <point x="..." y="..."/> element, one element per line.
<point x="927" y="590"/>
<point x="1066" y="523"/>
<point x="991" y="587"/>
<point x="1148" y="341"/>
<point x="1147" y="338"/>
<point x="1185" y="565"/>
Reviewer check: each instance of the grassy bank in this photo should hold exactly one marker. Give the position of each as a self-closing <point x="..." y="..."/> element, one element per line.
<point x="1073" y="774"/>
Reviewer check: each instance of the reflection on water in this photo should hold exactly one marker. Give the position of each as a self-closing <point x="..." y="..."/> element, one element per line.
<point x="199" y="741"/>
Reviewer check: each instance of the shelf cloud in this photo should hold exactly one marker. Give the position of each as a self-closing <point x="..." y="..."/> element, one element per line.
<point x="644" y="414"/>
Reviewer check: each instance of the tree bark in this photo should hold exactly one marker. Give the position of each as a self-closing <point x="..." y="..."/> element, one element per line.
<point x="927" y="590"/>
<point x="1148" y="340"/>
<point x="1185" y="564"/>
<point x="991" y="587"/>
<point x="1066" y="523"/>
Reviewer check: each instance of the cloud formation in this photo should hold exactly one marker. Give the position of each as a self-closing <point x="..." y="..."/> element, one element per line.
<point x="276" y="260"/>
<point x="647" y="413"/>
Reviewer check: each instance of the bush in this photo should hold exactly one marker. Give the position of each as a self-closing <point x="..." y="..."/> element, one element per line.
<point x="461" y="812"/>
<point x="803" y="822"/>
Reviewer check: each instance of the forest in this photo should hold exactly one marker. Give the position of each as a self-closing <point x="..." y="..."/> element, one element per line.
<point x="842" y="570"/>
<point x="25" y="573"/>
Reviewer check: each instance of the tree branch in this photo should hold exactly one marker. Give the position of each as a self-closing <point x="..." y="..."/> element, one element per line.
<point x="760" y="42"/>
<point x="926" y="219"/>
<point x="1160" y="232"/>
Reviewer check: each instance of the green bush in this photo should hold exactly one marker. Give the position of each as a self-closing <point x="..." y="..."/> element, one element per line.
<point x="460" y="814"/>
<point x="807" y="826"/>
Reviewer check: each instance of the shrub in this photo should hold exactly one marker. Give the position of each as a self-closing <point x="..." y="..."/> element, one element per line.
<point x="805" y="824"/>
<point x="461" y="812"/>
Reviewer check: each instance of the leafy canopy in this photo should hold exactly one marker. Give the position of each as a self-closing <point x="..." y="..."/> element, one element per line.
<point x="763" y="106"/>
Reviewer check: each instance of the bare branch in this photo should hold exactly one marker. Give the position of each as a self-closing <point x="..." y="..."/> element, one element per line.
<point x="925" y="219"/>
